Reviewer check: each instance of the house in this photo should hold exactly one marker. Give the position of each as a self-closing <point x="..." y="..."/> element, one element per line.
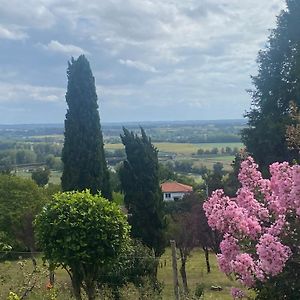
<point x="173" y="190"/>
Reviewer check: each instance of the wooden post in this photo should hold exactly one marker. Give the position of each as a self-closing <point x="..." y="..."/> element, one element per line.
<point x="175" y="273"/>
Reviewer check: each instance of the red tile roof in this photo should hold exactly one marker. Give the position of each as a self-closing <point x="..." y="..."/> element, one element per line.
<point x="175" y="187"/>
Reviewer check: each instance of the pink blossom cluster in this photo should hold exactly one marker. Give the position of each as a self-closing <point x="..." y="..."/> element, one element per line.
<point x="237" y="293"/>
<point x="227" y="216"/>
<point x="255" y="222"/>
<point x="272" y="254"/>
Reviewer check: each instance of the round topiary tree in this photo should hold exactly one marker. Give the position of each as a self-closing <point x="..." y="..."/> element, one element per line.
<point x="82" y="233"/>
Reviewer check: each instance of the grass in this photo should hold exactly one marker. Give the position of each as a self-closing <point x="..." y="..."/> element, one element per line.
<point x="54" y="175"/>
<point x="14" y="275"/>
<point x="196" y="274"/>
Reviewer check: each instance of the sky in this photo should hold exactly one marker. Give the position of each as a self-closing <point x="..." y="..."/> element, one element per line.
<point x="153" y="60"/>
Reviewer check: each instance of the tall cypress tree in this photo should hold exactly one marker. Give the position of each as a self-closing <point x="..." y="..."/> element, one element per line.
<point x="277" y="83"/>
<point x="143" y="197"/>
<point x="83" y="153"/>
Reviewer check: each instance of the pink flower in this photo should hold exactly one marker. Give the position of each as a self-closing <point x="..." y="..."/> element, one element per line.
<point x="272" y="254"/>
<point x="237" y="293"/>
<point x="244" y="267"/>
<point x="254" y="222"/>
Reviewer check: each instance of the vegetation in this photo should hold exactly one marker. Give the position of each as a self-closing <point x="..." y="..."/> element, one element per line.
<point x="143" y="197"/>
<point x="276" y="84"/>
<point x="254" y="230"/>
<point x="261" y="230"/>
<point x="41" y="176"/>
<point x="14" y="276"/>
<point x="83" y="234"/>
<point x="83" y="152"/>
<point x="20" y="201"/>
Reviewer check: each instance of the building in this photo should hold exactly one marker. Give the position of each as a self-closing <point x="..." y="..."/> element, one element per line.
<point x="173" y="190"/>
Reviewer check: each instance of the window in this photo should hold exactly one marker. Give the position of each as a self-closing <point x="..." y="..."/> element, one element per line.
<point x="168" y="195"/>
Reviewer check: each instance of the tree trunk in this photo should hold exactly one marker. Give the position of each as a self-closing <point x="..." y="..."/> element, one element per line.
<point x="76" y="284"/>
<point x="51" y="274"/>
<point x="33" y="259"/>
<point x="183" y="272"/>
<point x="206" y="253"/>
<point x="90" y="289"/>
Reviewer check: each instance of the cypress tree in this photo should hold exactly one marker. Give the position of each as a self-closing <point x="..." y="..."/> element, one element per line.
<point x="83" y="153"/>
<point x="143" y="196"/>
<point x="275" y="86"/>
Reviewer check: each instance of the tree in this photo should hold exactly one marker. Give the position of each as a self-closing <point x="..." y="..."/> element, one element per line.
<point x="232" y="184"/>
<point x="277" y="83"/>
<point x="89" y="233"/>
<point x="214" y="179"/>
<point x="143" y="197"/>
<point x="41" y="176"/>
<point x="181" y="229"/>
<point x="137" y="266"/>
<point x="83" y="153"/>
<point x="261" y="244"/>
<point x="293" y="130"/>
<point x="20" y="201"/>
<point x="189" y="228"/>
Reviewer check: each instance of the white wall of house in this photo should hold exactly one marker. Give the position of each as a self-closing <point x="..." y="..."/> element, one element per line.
<point x="173" y="196"/>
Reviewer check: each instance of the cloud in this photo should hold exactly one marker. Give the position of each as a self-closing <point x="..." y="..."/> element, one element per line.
<point x="151" y="58"/>
<point x="29" y="13"/>
<point x="20" y="93"/>
<point x="12" y="34"/>
<point x="138" y="65"/>
<point x="67" y="49"/>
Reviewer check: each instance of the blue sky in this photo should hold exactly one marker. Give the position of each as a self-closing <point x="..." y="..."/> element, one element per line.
<point x="152" y="59"/>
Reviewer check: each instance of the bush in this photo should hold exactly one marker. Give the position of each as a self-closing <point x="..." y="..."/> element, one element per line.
<point x="83" y="233"/>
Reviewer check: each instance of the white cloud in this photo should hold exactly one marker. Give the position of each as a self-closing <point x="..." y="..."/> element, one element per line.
<point x="12" y="34"/>
<point x="20" y="93"/>
<point x="138" y="65"/>
<point x="30" y="13"/>
<point x="67" y="49"/>
<point x="192" y="54"/>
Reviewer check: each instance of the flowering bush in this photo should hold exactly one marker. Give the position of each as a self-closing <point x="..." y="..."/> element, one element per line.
<point x="261" y="229"/>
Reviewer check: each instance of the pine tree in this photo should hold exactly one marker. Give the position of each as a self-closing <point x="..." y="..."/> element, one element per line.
<point x="143" y="197"/>
<point x="277" y="83"/>
<point x="83" y="152"/>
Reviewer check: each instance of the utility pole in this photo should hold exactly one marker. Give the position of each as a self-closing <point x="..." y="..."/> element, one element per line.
<point x="175" y="273"/>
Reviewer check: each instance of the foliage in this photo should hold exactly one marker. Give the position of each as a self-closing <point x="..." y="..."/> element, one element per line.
<point x="137" y="266"/>
<point x="231" y="183"/>
<point x="143" y="197"/>
<point x="293" y="130"/>
<point x="13" y="296"/>
<point x="214" y="179"/>
<point x="20" y="201"/>
<point x="189" y="228"/>
<point x="276" y="84"/>
<point x="261" y="229"/>
<point x="83" y="153"/>
<point x="41" y="176"/>
<point x="53" y="162"/>
<point x="83" y="233"/>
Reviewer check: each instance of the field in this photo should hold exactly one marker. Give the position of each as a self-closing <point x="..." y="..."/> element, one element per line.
<point x="182" y="148"/>
<point x="54" y="175"/>
<point x="188" y="151"/>
<point x="14" y="274"/>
